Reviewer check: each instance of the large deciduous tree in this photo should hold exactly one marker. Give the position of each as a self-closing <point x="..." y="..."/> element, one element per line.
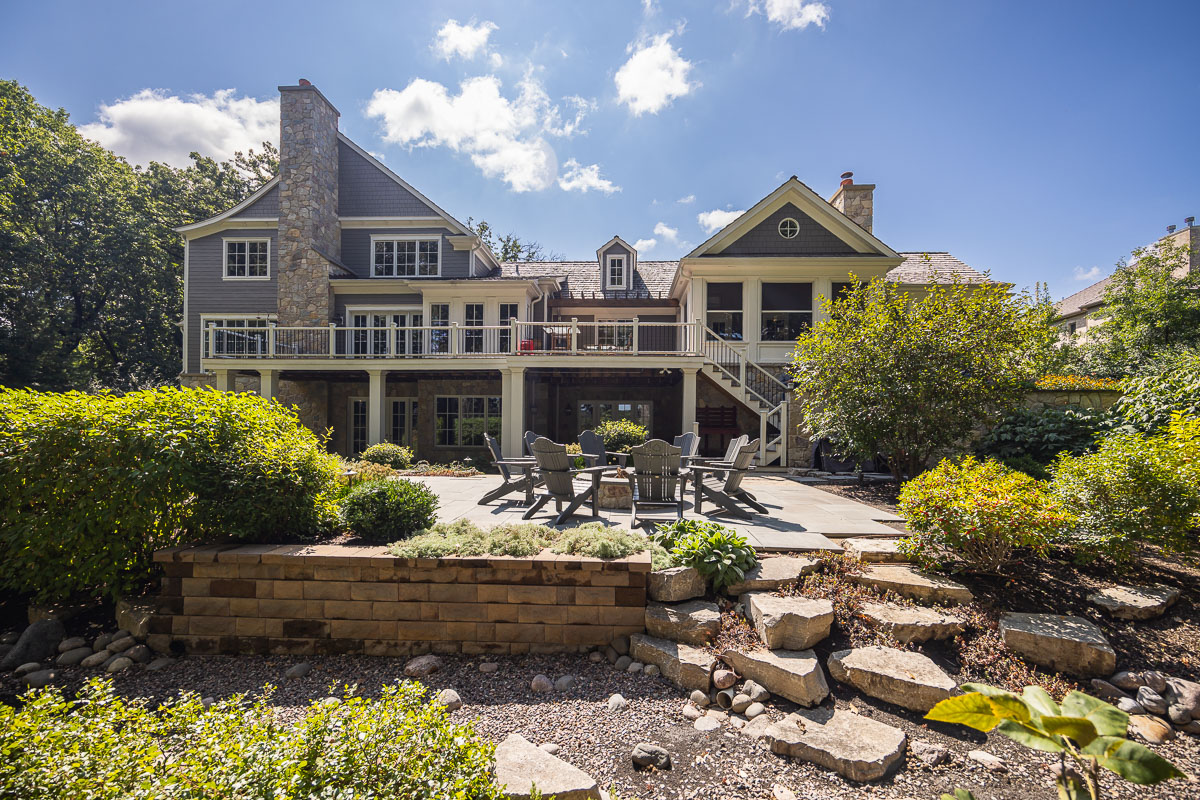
<point x="886" y="372"/>
<point x="90" y="269"/>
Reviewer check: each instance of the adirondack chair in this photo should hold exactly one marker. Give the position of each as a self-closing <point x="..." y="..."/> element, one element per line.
<point x="656" y="479"/>
<point x="735" y="445"/>
<point x="594" y="454"/>
<point x="554" y="467"/>
<point x="724" y="484"/>
<point x="530" y="438"/>
<point x="516" y="474"/>
<point x="689" y="446"/>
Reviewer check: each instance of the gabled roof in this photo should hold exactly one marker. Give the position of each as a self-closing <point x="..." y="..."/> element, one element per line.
<point x="262" y="190"/>
<point x="581" y="280"/>
<point x="1083" y="300"/>
<point x="933" y="267"/>
<point x="795" y="191"/>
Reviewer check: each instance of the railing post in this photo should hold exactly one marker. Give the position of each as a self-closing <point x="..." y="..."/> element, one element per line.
<point x="762" y="439"/>
<point x="271" y="339"/>
<point x="453" y="338"/>
<point x="574" y="334"/>
<point x="635" y="336"/>
<point x="391" y="338"/>
<point x="697" y="338"/>
<point x="513" y="341"/>
<point x="212" y="340"/>
<point x="332" y="339"/>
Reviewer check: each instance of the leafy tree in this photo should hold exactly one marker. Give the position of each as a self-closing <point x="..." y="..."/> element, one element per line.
<point x="885" y="372"/>
<point x="91" y="272"/>
<point x="510" y="247"/>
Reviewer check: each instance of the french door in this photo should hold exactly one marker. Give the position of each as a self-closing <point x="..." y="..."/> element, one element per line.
<point x="373" y="340"/>
<point x="399" y="424"/>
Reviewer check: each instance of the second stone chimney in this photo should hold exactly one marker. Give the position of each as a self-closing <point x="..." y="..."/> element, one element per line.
<point x="309" y="231"/>
<point x="855" y="200"/>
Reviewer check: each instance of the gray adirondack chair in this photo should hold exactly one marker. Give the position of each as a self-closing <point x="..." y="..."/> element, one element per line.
<point x="516" y="474"/>
<point x="689" y="445"/>
<point x="735" y="444"/>
<point x="657" y="480"/>
<point x="554" y="468"/>
<point x="594" y="454"/>
<point x="723" y="485"/>
<point x="530" y="438"/>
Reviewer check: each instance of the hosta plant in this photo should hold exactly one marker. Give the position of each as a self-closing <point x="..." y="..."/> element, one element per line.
<point x="1086" y="733"/>
<point x="716" y="552"/>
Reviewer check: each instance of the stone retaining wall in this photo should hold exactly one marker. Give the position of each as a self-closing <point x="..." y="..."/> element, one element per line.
<point x="331" y="599"/>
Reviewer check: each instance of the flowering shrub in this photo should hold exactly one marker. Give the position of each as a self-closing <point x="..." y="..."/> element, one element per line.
<point x="392" y="455"/>
<point x="1077" y="383"/>
<point x="621" y="434"/>
<point x="978" y="512"/>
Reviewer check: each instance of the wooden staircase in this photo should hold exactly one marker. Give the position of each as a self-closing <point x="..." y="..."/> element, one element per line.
<point x="754" y="387"/>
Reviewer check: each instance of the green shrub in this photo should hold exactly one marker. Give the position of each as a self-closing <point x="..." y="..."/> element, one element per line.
<point x="1037" y="435"/>
<point x="392" y="455"/>
<point x="716" y="552"/>
<point x="1135" y="488"/>
<point x="103" y="745"/>
<point x="385" y="510"/>
<point x="978" y="512"/>
<point x="92" y="485"/>
<point x="621" y="434"/>
<point x="463" y="538"/>
<point x="1170" y="387"/>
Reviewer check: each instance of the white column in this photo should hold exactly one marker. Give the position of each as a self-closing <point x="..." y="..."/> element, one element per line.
<point x="508" y="446"/>
<point x="689" y="399"/>
<point x="512" y="407"/>
<point x="377" y="381"/>
<point x="266" y="382"/>
<point x="224" y="380"/>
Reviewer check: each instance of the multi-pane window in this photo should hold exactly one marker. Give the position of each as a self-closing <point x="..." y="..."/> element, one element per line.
<point x="358" y="426"/>
<point x="405" y="258"/>
<point x="615" y="334"/>
<point x="473" y="318"/>
<point x="462" y="421"/>
<point x="786" y="311"/>
<point x="593" y="412"/>
<point x="404" y="422"/>
<point x="249" y="337"/>
<point x="375" y="341"/>
<point x="725" y="309"/>
<point x="248" y="258"/>
<point x="439" y="317"/>
<point x="616" y="272"/>
<point x="508" y="312"/>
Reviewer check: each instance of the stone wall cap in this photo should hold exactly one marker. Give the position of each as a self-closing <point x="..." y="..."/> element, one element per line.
<point x="377" y="555"/>
<point x="314" y="90"/>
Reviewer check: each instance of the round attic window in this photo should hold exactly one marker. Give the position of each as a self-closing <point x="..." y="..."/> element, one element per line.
<point x="788" y="228"/>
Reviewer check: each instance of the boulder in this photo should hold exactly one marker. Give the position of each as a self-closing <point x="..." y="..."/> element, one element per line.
<point x="1151" y="700"/>
<point x="139" y="654"/>
<point x="27" y="667"/>
<point x="95" y="659"/>
<point x="1135" y="602"/>
<point x="694" y="622"/>
<point x="520" y="766"/>
<point x="617" y="703"/>
<point x="877" y="550"/>
<point x="422" y="666"/>
<point x="134" y="616"/>
<point x="1184" y="693"/>
<point x="623" y="663"/>
<point x="758" y="725"/>
<point x="119" y="664"/>
<point x="72" y="657"/>
<point x="298" y="671"/>
<point x="793" y="674"/>
<point x="771" y="573"/>
<point x="39" y="679"/>
<point x="903" y="678"/>
<point x="683" y="665"/>
<point x="564" y="683"/>
<point x="621" y="645"/>
<point x="856" y="747"/>
<point x="706" y="724"/>
<point x="1066" y="644"/>
<point x="449" y="699"/>
<point x="912" y="624"/>
<point x="651" y="755"/>
<point x="915" y="584"/>
<point x="676" y="584"/>
<point x="74" y="643"/>
<point x="788" y="623"/>
<point x="541" y="684"/>
<point x="37" y="643"/>
<point x="1152" y="729"/>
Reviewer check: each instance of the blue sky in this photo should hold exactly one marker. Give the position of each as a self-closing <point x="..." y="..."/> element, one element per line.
<point x="1040" y="141"/>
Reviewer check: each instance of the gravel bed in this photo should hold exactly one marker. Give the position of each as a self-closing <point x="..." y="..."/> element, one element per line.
<point x="721" y="764"/>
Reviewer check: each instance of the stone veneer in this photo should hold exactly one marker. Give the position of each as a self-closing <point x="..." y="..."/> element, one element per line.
<point x="331" y="599"/>
<point x="309" y="230"/>
<point x="856" y="201"/>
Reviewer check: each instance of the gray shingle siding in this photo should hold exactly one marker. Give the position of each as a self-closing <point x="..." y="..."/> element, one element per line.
<point x="265" y="207"/>
<point x="344" y="300"/>
<point x="764" y="239"/>
<point x="358" y="256"/>
<point x="209" y="293"/>
<point x="366" y="191"/>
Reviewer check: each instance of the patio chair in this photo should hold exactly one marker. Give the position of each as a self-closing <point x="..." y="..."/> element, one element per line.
<point x="735" y="445"/>
<point x="724" y="488"/>
<point x="554" y="467"/>
<point x="594" y="454"/>
<point x="689" y="446"/>
<point x="530" y="438"/>
<point x="656" y="479"/>
<point x="516" y="474"/>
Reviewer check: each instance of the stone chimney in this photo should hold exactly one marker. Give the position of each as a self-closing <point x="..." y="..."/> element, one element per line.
<point x="855" y="200"/>
<point x="309" y="230"/>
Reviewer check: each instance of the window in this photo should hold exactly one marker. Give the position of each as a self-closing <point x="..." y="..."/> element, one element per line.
<point x="788" y="228"/>
<point x="593" y="412"/>
<point x="404" y="422"/>
<point x="406" y="258"/>
<point x="473" y="318"/>
<point x="615" y="334"/>
<point x="358" y="426"/>
<point x="250" y="339"/>
<point x="462" y="421"/>
<point x="439" y="317"/>
<point x="1074" y="326"/>
<point x="614" y="275"/>
<point x="786" y="311"/>
<point x="249" y="259"/>
<point x="374" y="342"/>
<point x="508" y="312"/>
<point x="725" y="310"/>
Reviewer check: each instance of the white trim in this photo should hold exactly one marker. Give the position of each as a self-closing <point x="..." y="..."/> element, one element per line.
<point x="186" y="249"/>
<point x="405" y="237"/>
<point x="226" y="241"/>
<point x="795" y="232"/>
<point x="262" y="190"/>
<point x="608" y="283"/>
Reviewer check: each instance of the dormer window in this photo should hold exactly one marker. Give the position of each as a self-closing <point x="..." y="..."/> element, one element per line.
<point x="614" y="274"/>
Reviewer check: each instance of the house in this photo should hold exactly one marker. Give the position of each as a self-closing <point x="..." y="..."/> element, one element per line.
<point x="339" y="288"/>
<point x="1078" y="312"/>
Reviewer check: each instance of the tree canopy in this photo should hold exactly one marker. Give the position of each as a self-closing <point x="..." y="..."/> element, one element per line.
<point x="91" y="275"/>
<point x="886" y="372"/>
<point x="509" y="246"/>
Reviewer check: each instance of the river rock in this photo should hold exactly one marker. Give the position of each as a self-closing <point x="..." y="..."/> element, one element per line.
<point x="37" y="642"/>
<point x="1152" y="729"/>
<point x="139" y="654"/>
<point x="683" y="665"/>
<point x="1151" y="700"/>
<point x="72" y="657"/>
<point x="621" y="645"/>
<point x="74" y="643"/>
<point x="699" y="698"/>
<point x="855" y="746"/>
<point x="909" y="680"/>
<point x="676" y="584"/>
<point x="706" y="724"/>
<point x="39" y="679"/>
<point x="488" y="667"/>
<point x="1130" y="706"/>
<point x="422" y="666"/>
<point x="929" y="753"/>
<point x="1106" y="691"/>
<point x="449" y="699"/>
<point x="694" y="622"/>
<point x="122" y="644"/>
<point x="740" y="703"/>
<point x="1066" y="644"/>
<point x="987" y="760"/>
<point x="541" y="684"/>
<point x="623" y="663"/>
<point x="27" y="667"/>
<point x="792" y="674"/>
<point x="754" y="709"/>
<point x="95" y="659"/>
<point x="297" y="671"/>
<point x="724" y="678"/>
<point x="520" y="766"/>
<point x="691" y="712"/>
<point x="1184" y="693"/>
<point x="770" y="574"/>
<point x="651" y="755"/>
<point x="617" y="703"/>
<point x="788" y="623"/>
<point x="119" y="664"/>
<point x="912" y="624"/>
<point x="756" y="692"/>
<point x="1135" y="602"/>
<point x="564" y="683"/>
<point x="910" y="582"/>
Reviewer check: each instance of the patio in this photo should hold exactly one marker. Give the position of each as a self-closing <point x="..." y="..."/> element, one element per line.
<point x="803" y="518"/>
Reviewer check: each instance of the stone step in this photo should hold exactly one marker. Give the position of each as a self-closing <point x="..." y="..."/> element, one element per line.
<point x="856" y="747"/>
<point x="792" y="674"/>
<point x="875" y="549"/>
<point x="1134" y="602"/>
<point x="676" y="584"/>
<point x="788" y="623"/>
<point x="683" y="665"/>
<point x="912" y="624"/>
<point x="771" y="573"/>
<point x="695" y="622"/>
<point x="900" y="677"/>
<point x="521" y="765"/>
<point x="915" y="584"/>
<point x="1065" y="644"/>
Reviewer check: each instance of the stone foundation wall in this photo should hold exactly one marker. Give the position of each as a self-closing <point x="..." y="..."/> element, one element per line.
<point x="1099" y="400"/>
<point x="331" y="599"/>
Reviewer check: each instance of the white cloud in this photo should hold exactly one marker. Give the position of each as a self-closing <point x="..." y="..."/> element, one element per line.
<point x="579" y="178"/>
<point x="686" y="200"/>
<point x="505" y="138"/>
<point x="154" y="125"/>
<point x="713" y="221"/>
<point x="649" y="7"/>
<point x="666" y="232"/>
<point x="466" y="41"/>
<point x="1092" y="274"/>
<point x="791" y="15"/>
<point x="496" y="60"/>
<point x="645" y="244"/>
<point x="654" y="75"/>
